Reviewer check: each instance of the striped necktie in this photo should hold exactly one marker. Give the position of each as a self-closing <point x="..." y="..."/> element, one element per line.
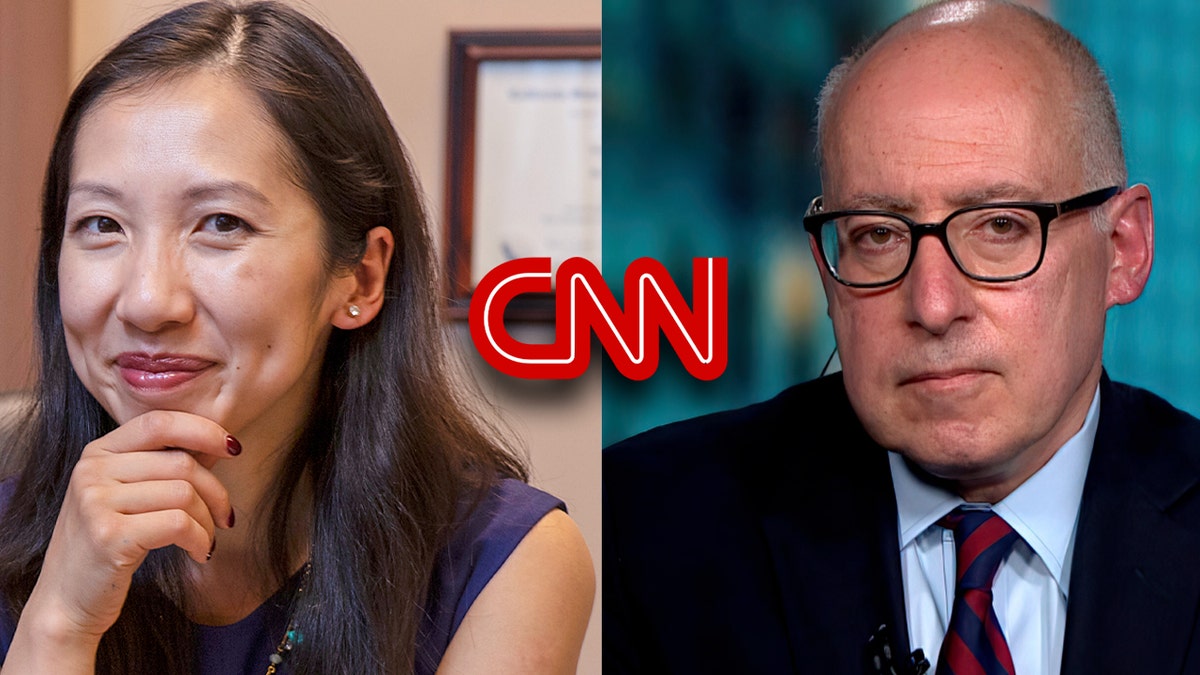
<point x="974" y="644"/>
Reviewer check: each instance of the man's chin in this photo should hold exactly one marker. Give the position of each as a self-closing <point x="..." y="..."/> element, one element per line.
<point x="976" y="473"/>
<point x="951" y="467"/>
<point x="954" y="451"/>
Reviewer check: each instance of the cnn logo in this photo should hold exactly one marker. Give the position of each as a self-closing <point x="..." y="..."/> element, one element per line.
<point x="584" y="306"/>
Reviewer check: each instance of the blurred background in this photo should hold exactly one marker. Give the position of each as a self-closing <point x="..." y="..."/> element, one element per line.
<point x="709" y="151"/>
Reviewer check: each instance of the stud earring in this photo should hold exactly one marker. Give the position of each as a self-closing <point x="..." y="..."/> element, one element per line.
<point x="353" y="311"/>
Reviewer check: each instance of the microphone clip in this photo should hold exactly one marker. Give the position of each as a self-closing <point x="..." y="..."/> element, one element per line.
<point x="882" y="660"/>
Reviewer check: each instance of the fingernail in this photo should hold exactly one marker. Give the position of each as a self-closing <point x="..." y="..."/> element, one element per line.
<point x="233" y="446"/>
<point x="231" y="518"/>
<point x="211" y="549"/>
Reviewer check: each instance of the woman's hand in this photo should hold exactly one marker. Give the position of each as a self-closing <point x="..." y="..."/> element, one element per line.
<point x="143" y="486"/>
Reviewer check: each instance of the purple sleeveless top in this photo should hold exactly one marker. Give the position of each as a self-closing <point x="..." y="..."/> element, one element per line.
<point x="475" y="552"/>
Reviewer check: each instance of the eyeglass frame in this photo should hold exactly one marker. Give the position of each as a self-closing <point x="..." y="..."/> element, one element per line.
<point x="1046" y="212"/>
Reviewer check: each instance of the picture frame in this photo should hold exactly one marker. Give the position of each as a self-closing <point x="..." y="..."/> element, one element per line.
<point x="522" y="156"/>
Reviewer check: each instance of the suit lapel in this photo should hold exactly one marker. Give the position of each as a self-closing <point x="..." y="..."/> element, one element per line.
<point x="835" y="555"/>
<point x="1135" y="584"/>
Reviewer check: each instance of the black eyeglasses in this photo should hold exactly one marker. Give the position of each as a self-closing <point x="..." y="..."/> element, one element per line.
<point x="996" y="242"/>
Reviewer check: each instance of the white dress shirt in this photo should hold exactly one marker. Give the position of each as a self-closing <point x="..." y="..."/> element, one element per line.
<point x="1030" y="589"/>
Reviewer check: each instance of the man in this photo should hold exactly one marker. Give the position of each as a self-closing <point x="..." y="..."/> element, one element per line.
<point x="972" y="485"/>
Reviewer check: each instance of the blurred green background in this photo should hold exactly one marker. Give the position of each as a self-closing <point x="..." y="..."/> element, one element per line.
<point x="708" y="151"/>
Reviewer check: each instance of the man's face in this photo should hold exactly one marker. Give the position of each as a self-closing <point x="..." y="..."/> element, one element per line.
<point x="977" y="383"/>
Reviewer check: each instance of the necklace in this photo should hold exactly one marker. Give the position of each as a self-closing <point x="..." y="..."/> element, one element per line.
<point x="291" y="636"/>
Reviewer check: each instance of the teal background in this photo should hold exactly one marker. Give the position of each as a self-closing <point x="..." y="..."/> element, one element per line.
<point x="708" y="151"/>
<point x="1152" y="58"/>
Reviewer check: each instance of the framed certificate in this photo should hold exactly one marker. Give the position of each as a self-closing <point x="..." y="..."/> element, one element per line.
<point x="523" y="156"/>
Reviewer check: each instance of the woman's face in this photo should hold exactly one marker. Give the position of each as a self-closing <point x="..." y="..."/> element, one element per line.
<point x="191" y="275"/>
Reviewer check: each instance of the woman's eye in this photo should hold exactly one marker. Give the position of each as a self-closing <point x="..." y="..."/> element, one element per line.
<point x="99" y="225"/>
<point x="223" y="223"/>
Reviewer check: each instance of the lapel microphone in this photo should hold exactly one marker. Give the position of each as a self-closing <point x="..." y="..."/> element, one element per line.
<point x="883" y="662"/>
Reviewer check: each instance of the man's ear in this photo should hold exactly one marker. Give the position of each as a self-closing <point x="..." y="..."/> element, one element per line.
<point x="367" y="282"/>
<point x="1132" y="241"/>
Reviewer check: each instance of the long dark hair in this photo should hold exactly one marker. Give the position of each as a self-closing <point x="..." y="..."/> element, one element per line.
<point x="391" y="447"/>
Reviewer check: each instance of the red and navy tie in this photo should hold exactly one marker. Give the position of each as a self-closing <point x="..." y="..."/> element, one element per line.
<point x="974" y="644"/>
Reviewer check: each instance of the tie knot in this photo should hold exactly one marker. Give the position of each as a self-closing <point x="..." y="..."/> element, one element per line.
<point x="981" y="540"/>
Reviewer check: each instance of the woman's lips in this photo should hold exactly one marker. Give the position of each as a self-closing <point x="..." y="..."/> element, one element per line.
<point x="160" y="372"/>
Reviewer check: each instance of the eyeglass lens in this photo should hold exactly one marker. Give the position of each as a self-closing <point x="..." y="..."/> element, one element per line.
<point x="988" y="243"/>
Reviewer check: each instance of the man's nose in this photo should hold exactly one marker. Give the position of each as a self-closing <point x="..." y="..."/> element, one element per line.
<point x="937" y="294"/>
<point x="156" y="289"/>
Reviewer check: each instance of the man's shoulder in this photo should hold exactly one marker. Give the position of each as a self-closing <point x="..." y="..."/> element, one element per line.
<point x="1146" y="451"/>
<point x="709" y="529"/>
<point x="1143" y="423"/>
<point x="795" y="415"/>
<point x="698" y="489"/>
<point x="1145" y="407"/>
<point x="805" y="435"/>
<point x="1130" y="410"/>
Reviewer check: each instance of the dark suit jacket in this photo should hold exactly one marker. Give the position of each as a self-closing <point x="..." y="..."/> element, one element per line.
<point x="741" y="542"/>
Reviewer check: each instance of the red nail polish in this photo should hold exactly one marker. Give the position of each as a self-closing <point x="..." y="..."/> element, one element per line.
<point x="211" y="549"/>
<point x="231" y="518"/>
<point x="233" y="446"/>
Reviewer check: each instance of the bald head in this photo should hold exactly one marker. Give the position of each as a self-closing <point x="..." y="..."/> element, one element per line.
<point x="997" y="48"/>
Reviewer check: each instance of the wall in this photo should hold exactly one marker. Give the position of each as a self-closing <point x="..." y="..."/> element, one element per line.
<point x="33" y="72"/>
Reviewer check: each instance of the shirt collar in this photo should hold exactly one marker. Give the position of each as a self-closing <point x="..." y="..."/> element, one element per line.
<point x="1043" y="509"/>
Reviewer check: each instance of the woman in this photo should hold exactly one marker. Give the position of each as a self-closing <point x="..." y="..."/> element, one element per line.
<point x="246" y="454"/>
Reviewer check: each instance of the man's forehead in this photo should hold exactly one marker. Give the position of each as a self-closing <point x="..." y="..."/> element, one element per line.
<point x="951" y="196"/>
<point x="943" y="148"/>
<point x="960" y="96"/>
<point x="1002" y="41"/>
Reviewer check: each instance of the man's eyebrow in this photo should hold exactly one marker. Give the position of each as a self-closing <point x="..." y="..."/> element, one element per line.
<point x="997" y="192"/>
<point x="223" y="188"/>
<point x="877" y="202"/>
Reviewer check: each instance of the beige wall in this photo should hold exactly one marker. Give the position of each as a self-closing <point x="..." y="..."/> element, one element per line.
<point x="33" y="72"/>
<point x="402" y="44"/>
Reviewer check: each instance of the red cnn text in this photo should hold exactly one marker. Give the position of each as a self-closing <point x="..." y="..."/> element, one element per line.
<point x="584" y="305"/>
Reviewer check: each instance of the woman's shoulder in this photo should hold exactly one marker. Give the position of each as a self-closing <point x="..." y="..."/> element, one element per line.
<point x="490" y="527"/>
<point x="494" y="523"/>
<point x="521" y="583"/>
